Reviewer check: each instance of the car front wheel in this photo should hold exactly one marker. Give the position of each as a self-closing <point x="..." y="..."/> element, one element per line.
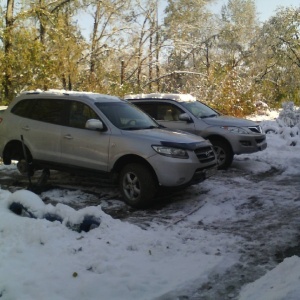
<point x="137" y="185"/>
<point x="224" y="154"/>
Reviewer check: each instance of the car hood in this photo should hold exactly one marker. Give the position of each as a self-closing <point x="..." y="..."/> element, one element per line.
<point x="228" y="121"/>
<point x="166" y="136"/>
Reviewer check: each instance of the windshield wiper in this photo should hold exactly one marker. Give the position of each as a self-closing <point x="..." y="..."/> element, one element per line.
<point x="151" y="127"/>
<point x="139" y="128"/>
<point x="209" y="116"/>
<point x="130" y="128"/>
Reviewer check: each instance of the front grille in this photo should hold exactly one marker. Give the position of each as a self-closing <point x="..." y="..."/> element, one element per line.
<point x="256" y="129"/>
<point x="205" y="154"/>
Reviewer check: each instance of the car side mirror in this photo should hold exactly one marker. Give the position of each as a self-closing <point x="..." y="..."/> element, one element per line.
<point x="185" y="117"/>
<point x="94" y="124"/>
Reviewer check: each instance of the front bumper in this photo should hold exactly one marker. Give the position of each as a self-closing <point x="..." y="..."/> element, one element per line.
<point x="201" y="175"/>
<point x="174" y="172"/>
<point x="249" y="144"/>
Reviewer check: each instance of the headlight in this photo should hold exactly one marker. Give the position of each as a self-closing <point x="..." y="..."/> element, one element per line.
<point x="233" y="129"/>
<point x="171" y="152"/>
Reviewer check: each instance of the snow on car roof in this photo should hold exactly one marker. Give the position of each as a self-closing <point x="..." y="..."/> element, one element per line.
<point x="177" y="97"/>
<point x="91" y="95"/>
<point x="52" y="91"/>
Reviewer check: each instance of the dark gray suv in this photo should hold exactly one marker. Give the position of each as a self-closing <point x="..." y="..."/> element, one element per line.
<point x="105" y="136"/>
<point x="228" y="135"/>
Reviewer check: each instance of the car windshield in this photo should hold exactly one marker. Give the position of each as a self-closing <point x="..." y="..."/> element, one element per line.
<point x="200" y="110"/>
<point x="126" y="116"/>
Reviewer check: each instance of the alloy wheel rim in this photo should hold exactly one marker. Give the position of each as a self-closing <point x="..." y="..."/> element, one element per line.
<point x="131" y="186"/>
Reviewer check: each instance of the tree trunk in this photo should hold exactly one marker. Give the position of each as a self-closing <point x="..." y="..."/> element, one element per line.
<point x="7" y="84"/>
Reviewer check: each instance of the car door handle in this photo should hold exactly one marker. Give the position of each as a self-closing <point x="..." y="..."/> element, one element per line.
<point x="68" y="137"/>
<point x="26" y="128"/>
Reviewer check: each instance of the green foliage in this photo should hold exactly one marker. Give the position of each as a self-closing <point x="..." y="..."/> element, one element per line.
<point x="229" y="62"/>
<point x="234" y="96"/>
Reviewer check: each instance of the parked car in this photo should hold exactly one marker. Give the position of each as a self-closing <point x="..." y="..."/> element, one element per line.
<point x="89" y="133"/>
<point x="229" y="135"/>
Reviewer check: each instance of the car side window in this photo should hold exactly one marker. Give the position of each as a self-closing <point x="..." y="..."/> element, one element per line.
<point x="79" y="114"/>
<point x="49" y="111"/>
<point x="23" y="108"/>
<point x="161" y="111"/>
<point x="148" y="108"/>
<point x="168" y="112"/>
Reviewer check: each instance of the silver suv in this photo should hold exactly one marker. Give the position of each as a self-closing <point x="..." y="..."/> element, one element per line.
<point x="89" y="133"/>
<point x="228" y="135"/>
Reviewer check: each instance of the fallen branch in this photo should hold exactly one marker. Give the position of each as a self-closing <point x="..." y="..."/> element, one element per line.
<point x="181" y="218"/>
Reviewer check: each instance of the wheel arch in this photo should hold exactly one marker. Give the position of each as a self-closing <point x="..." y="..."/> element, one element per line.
<point x="13" y="150"/>
<point x="128" y="159"/>
<point x="219" y="138"/>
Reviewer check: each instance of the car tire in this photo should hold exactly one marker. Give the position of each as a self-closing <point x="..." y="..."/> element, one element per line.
<point x="224" y="154"/>
<point x="137" y="185"/>
<point x="25" y="168"/>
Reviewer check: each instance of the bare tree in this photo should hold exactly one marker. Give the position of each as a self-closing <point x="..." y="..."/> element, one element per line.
<point x="7" y="39"/>
<point x="278" y="56"/>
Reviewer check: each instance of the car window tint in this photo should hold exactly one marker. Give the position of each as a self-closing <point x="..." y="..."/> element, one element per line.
<point x="149" y="108"/>
<point x="168" y="112"/>
<point x="49" y="110"/>
<point x="23" y="108"/>
<point x="79" y="114"/>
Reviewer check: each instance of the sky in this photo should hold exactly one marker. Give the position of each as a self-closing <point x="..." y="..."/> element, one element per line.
<point x="119" y="260"/>
<point x="265" y="8"/>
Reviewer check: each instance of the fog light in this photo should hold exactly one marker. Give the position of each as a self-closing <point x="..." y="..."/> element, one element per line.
<point x="245" y="143"/>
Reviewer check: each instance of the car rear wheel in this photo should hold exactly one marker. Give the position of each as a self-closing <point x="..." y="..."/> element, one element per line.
<point x="137" y="185"/>
<point x="224" y="154"/>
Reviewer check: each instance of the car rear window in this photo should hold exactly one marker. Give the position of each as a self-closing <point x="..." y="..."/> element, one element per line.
<point x="45" y="110"/>
<point x="23" y="108"/>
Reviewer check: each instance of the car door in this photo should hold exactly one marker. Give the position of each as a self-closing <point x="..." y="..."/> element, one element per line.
<point x="41" y="128"/>
<point x="81" y="147"/>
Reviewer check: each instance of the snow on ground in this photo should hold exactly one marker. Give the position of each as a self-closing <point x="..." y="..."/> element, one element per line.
<point x="41" y="259"/>
<point x="278" y="284"/>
